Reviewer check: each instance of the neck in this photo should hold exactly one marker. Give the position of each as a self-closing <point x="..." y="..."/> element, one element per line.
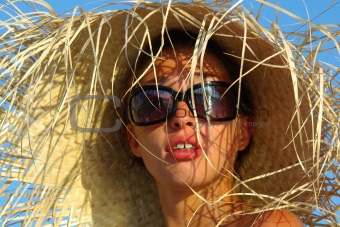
<point x="183" y="207"/>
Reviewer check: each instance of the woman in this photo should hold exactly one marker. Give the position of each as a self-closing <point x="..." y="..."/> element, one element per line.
<point x="187" y="155"/>
<point x="71" y="80"/>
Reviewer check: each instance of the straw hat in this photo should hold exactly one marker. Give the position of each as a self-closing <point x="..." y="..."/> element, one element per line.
<point x="64" y="145"/>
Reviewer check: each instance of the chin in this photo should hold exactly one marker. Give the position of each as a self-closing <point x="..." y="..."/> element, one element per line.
<point x="183" y="178"/>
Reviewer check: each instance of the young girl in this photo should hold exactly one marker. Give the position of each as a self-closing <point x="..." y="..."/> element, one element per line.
<point x="228" y="120"/>
<point x="185" y="125"/>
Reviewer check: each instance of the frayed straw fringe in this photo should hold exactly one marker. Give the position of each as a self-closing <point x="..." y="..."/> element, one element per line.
<point x="48" y="180"/>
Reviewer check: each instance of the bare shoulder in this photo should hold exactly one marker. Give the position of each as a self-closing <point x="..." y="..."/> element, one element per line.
<point x="274" y="218"/>
<point x="279" y="218"/>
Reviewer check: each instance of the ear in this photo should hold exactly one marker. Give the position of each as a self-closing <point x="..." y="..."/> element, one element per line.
<point x="134" y="145"/>
<point x="244" y="132"/>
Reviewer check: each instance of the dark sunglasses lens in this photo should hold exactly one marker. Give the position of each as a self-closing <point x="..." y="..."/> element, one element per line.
<point x="215" y="101"/>
<point x="150" y="106"/>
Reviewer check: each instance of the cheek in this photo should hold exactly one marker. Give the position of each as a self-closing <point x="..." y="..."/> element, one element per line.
<point x="223" y="136"/>
<point x="221" y="143"/>
<point x="150" y="141"/>
<point x="227" y="137"/>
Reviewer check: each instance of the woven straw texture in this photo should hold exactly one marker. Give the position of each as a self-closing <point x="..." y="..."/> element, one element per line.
<point x="64" y="153"/>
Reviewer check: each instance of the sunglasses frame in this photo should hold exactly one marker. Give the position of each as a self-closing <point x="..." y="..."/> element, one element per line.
<point x="179" y="96"/>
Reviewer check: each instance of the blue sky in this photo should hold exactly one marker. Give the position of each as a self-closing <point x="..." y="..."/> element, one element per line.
<point x="299" y="7"/>
<point x="318" y="11"/>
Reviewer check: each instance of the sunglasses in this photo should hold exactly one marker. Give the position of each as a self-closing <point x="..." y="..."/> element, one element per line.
<point x="152" y="104"/>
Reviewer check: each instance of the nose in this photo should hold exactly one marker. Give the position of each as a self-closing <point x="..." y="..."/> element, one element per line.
<point x="182" y="117"/>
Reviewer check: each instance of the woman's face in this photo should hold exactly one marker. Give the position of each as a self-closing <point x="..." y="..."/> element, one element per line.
<point x="211" y="150"/>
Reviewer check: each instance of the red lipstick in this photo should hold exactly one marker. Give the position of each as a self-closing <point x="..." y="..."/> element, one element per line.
<point x="184" y="149"/>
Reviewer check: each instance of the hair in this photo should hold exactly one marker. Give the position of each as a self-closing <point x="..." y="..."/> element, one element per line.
<point x="180" y="38"/>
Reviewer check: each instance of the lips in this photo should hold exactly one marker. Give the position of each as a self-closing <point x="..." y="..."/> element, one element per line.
<point x="184" y="149"/>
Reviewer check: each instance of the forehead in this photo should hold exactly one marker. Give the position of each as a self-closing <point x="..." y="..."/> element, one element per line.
<point x="179" y="65"/>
